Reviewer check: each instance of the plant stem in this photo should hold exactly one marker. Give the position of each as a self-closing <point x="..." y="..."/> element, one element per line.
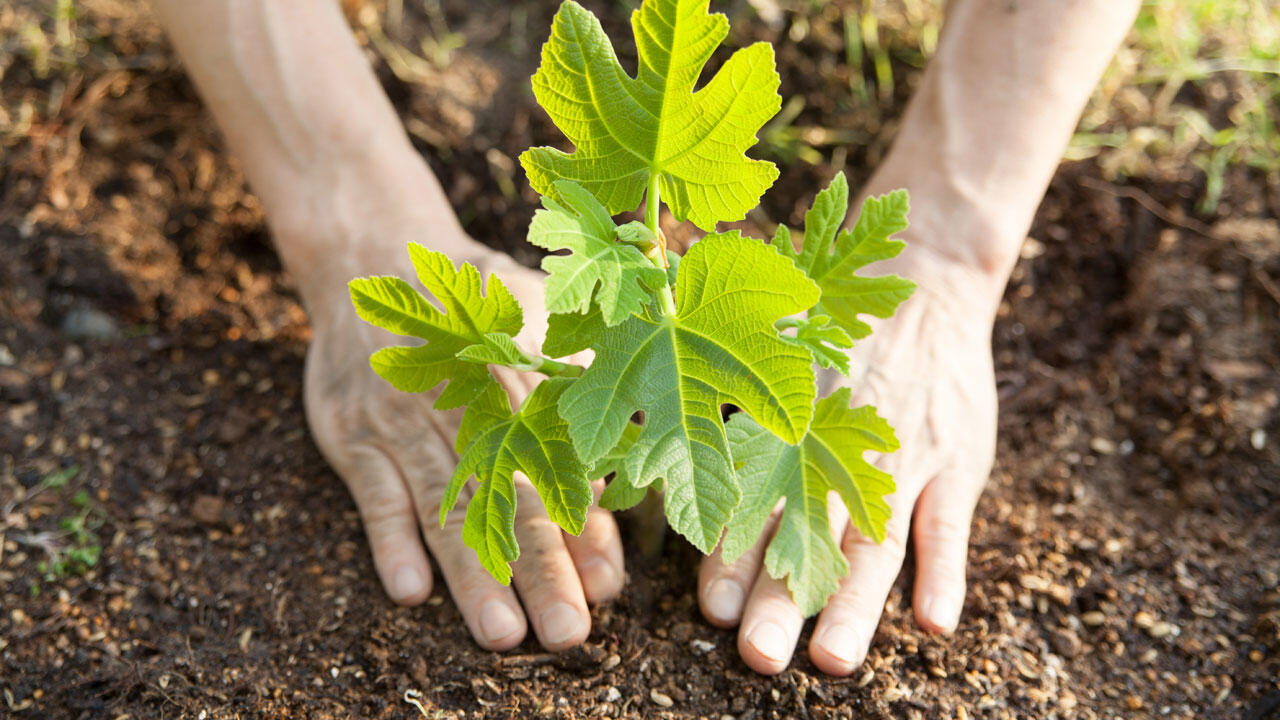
<point x="650" y="515"/>
<point x="547" y="366"/>
<point x="651" y="214"/>
<point x="650" y="524"/>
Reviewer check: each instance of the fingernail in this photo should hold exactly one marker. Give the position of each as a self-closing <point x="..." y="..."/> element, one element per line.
<point x="724" y="600"/>
<point x="943" y="611"/>
<point x="498" y="621"/>
<point x="560" y="623"/>
<point x="770" y="641"/>
<point x="407" y="582"/>
<point x="842" y="643"/>
<point x="598" y="574"/>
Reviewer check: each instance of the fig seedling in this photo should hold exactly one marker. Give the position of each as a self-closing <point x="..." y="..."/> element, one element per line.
<point x="736" y="322"/>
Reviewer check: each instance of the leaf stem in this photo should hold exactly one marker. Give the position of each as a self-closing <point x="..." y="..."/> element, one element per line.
<point x="547" y="366"/>
<point x="651" y="204"/>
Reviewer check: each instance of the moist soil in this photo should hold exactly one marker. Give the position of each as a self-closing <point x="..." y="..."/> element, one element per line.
<point x="1125" y="559"/>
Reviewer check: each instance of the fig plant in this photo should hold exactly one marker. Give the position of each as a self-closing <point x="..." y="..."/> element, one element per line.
<point x="735" y="323"/>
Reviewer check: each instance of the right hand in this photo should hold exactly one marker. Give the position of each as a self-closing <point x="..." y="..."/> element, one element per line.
<point x="396" y="454"/>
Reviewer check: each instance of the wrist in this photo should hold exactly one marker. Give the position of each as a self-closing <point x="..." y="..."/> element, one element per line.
<point x="355" y="218"/>
<point x="956" y="244"/>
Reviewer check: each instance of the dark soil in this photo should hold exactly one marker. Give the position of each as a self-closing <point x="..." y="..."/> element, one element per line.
<point x="1125" y="560"/>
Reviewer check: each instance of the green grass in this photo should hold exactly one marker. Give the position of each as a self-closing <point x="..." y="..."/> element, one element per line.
<point x="1198" y="83"/>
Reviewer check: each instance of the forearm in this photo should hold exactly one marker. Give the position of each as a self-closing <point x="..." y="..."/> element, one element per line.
<point x="308" y="121"/>
<point x="994" y="112"/>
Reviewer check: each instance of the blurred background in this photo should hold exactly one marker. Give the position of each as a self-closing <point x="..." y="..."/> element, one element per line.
<point x="171" y="544"/>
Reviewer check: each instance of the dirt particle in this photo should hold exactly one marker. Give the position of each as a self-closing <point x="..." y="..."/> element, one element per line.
<point x="1093" y="618"/>
<point x="1065" y="642"/>
<point x="207" y="509"/>
<point x="895" y="693"/>
<point x="661" y="699"/>
<point x="1133" y="702"/>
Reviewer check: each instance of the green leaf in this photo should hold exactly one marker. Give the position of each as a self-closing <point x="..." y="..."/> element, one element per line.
<point x="825" y="341"/>
<point x="533" y="441"/>
<point x="569" y="333"/>
<point x="625" y="130"/>
<point x="489" y="527"/>
<point x="490" y="407"/>
<point x="822" y="221"/>
<point x="832" y="260"/>
<point x="620" y="493"/>
<point x="720" y="347"/>
<point x="497" y="349"/>
<point x="829" y="458"/>
<point x="617" y="275"/>
<point x="467" y="316"/>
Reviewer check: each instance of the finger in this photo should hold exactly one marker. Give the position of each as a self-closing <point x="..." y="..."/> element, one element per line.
<point x="386" y="510"/>
<point x="597" y="553"/>
<point x="722" y="588"/>
<point x="771" y="625"/>
<point x="490" y="609"/>
<point x="546" y="577"/>
<point x="845" y="628"/>
<point x="944" y="513"/>
<point x="772" y="621"/>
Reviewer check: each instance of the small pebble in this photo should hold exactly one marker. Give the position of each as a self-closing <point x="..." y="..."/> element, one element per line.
<point x="866" y="678"/>
<point x="1133" y="702"/>
<point x="702" y="647"/>
<point x="661" y="699"/>
<point x="1093" y="618"/>
<point x="207" y="509"/>
<point x="611" y="662"/>
<point x="87" y="322"/>
<point x="1144" y="620"/>
<point x="1065" y="642"/>
<point x="613" y="694"/>
<point x="1162" y="629"/>
<point x="894" y="694"/>
<point x="1258" y="439"/>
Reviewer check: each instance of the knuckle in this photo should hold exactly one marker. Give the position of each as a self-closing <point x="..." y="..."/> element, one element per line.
<point x="894" y="545"/>
<point x="943" y="530"/>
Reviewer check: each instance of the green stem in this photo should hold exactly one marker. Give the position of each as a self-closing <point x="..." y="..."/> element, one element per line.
<point x="650" y="515"/>
<point x="547" y="366"/>
<point x="651" y="204"/>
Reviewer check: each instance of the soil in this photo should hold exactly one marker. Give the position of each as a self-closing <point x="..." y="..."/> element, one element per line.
<point x="1125" y="559"/>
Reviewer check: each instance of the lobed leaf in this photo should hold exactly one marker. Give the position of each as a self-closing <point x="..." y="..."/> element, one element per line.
<point x="467" y="316"/>
<point x="829" y="458"/>
<point x="569" y="333"/>
<point x="621" y="493"/>
<point x="628" y="129"/>
<point x="533" y="441"/>
<point x="497" y="349"/>
<point x="826" y="342"/>
<point x="618" y="276"/>
<point x="720" y="347"/>
<point x="832" y="260"/>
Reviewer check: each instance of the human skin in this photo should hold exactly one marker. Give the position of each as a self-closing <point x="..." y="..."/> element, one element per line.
<point x="978" y="145"/>
<point x="344" y="191"/>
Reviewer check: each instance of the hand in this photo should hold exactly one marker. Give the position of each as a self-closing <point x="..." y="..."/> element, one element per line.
<point x="395" y="453"/>
<point x="929" y="372"/>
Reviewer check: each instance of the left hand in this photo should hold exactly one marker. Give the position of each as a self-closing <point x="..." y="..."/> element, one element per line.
<point x="929" y="372"/>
